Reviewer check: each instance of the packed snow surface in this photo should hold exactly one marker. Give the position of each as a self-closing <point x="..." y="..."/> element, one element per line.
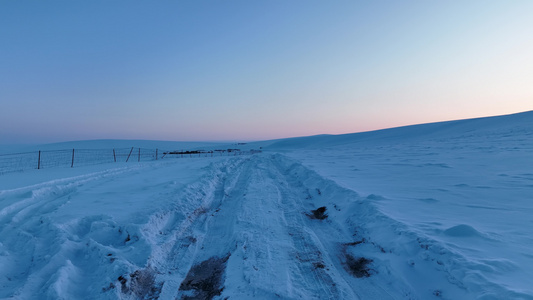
<point x="436" y="211"/>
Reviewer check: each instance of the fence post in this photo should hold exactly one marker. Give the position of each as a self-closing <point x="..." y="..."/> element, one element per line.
<point x="72" y="165"/>
<point x="114" y="156"/>
<point x="155" y="153"/>
<point x="129" y="154"/>
<point x="139" y="155"/>
<point x="39" y="161"/>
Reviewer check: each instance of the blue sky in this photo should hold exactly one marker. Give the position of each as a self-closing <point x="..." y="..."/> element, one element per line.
<point x="249" y="70"/>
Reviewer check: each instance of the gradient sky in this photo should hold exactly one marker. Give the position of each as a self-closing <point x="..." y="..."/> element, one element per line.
<point x="252" y="70"/>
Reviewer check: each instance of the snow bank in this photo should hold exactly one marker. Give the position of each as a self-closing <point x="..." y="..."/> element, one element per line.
<point x="73" y="237"/>
<point x="462" y="187"/>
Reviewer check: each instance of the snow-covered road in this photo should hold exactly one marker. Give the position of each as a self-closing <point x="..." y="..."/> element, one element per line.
<point x="255" y="226"/>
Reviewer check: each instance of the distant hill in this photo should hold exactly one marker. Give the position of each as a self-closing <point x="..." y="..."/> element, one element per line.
<point x="498" y="126"/>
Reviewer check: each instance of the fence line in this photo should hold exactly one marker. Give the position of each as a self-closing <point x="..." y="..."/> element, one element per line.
<point x="16" y="162"/>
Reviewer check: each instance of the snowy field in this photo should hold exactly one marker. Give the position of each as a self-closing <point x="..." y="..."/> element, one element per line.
<point x="436" y="211"/>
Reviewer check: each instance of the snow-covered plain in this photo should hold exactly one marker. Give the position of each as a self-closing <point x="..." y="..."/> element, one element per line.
<point x="435" y="211"/>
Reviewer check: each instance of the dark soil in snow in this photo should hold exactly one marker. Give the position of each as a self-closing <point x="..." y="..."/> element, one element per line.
<point x="205" y="280"/>
<point x="319" y="213"/>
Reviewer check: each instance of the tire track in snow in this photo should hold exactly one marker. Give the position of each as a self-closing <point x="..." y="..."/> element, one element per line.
<point x="256" y="224"/>
<point x="177" y="235"/>
<point x="340" y="231"/>
<point x="321" y="276"/>
<point x="26" y="200"/>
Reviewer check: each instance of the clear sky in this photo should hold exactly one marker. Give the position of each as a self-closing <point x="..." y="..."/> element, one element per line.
<point x="252" y="70"/>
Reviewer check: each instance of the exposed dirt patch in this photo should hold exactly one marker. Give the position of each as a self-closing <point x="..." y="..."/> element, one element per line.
<point x="319" y="265"/>
<point x="319" y="213"/>
<point x="355" y="243"/>
<point x="205" y="280"/>
<point x="358" y="266"/>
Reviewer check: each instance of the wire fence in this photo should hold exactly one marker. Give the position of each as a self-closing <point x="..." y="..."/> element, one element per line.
<point x="17" y="162"/>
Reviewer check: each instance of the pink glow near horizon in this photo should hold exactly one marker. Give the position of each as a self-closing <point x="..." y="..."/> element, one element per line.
<point x="254" y="71"/>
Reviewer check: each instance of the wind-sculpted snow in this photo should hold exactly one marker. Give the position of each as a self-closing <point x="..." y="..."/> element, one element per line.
<point x="463" y="187"/>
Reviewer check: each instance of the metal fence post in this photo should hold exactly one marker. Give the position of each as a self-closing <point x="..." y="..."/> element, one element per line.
<point x="39" y="161"/>
<point x="114" y="155"/>
<point x="139" y="155"/>
<point x="72" y="165"/>
<point x="129" y="154"/>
